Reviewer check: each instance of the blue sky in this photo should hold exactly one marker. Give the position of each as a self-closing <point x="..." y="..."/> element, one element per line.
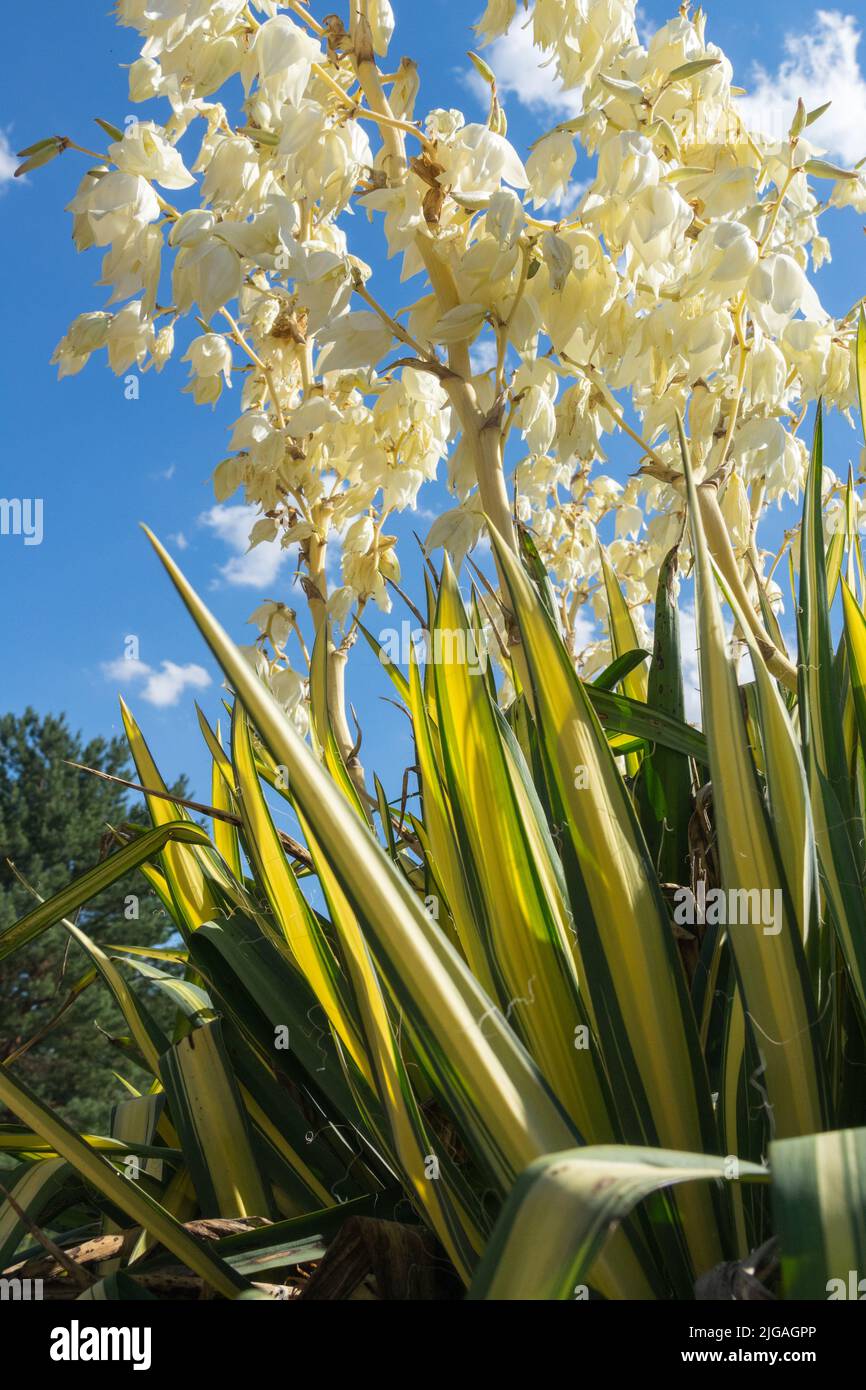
<point x="102" y="463"/>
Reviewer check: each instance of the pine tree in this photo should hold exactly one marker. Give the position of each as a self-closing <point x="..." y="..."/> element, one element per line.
<point x="53" y="820"/>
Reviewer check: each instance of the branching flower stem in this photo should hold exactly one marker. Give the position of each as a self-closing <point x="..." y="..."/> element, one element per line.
<point x="258" y="362"/>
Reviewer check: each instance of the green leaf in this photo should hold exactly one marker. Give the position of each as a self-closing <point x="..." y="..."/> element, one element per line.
<point x="114" y="131"/>
<point x="623" y="635"/>
<point x="34" y="1190"/>
<point x="250" y="980"/>
<point x="292" y="913"/>
<point x="190" y="998"/>
<point x="817" y="112"/>
<point x="124" y="1192"/>
<point x="840" y="843"/>
<point x="146" y="1033"/>
<point x="515" y="876"/>
<point x="396" y="675"/>
<point x="209" y="1115"/>
<point x="90" y="884"/>
<point x="616" y="900"/>
<point x="562" y="1208"/>
<point x="620" y="714"/>
<point x="482" y="68"/>
<point x="819" y="1208"/>
<point x="420" y="966"/>
<point x="692" y="68"/>
<point x="665" y="786"/>
<point x="496" y="1096"/>
<point x="617" y="671"/>
<point x="188" y="871"/>
<point x="770" y="959"/>
<point x="35" y="156"/>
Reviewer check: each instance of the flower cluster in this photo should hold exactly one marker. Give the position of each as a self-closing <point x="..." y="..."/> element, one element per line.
<point x="550" y="314"/>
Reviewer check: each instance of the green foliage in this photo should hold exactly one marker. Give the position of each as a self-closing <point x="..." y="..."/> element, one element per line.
<point x="500" y="1027"/>
<point x="53" y="823"/>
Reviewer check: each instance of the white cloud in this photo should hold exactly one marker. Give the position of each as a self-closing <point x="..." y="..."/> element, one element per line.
<point x="818" y="66"/>
<point x="516" y="63"/>
<point x="645" y="25"/>
<point x="125" y="670"/>
<point x="248" y="569"/>
<point x="162" y="688"/>
<point x="584" y="629"/>
<point x="165" y="687"/>
<point x="568" y="204"/>
<point x="483" y="355"/>
<point x="8" y="161"/>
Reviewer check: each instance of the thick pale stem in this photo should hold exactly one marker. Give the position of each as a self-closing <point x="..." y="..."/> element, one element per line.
<point x="756" y="507"/>
<point x="316" y="554"/>
<point x="719" y="542"/>
<point x="482" y="436"/>
<point x="316" y="551"/>
<point x="484" y="441"/>
<point x="370" y="78"/>
<point x="337" y="661"/>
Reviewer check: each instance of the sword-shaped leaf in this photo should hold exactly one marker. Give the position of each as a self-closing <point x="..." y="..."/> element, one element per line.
<point x="769" y="955"/>
<point x="88" y="885"/>
<point x="819" y="1206"/>
<point x="562" y="1208"/>
<point x="123" y="1192"/>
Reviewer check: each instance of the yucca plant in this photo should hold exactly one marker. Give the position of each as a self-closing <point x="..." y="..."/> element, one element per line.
<point x="487" y="1017"/>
